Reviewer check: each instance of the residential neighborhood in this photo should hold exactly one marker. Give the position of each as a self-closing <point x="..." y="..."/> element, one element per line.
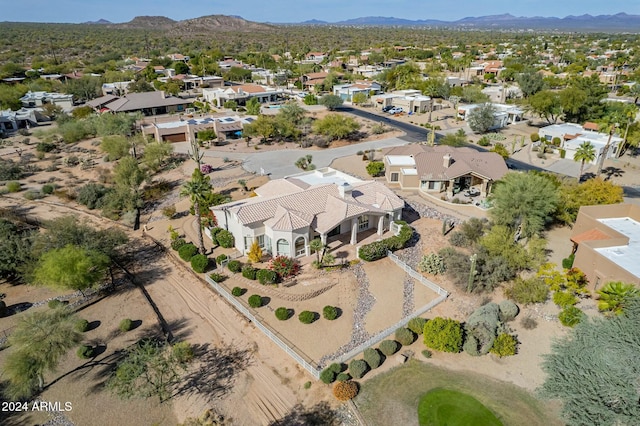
<point x="218" y="221"/>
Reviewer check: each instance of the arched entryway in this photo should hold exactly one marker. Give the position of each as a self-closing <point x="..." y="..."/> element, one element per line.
<point x="300" y="247"/>
<point x="282" y="248"/>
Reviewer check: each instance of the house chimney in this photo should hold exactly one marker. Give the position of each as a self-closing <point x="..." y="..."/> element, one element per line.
<point x="345" y="190"/>
<point x="162" y="94"/>
<point x="447" y="160"/>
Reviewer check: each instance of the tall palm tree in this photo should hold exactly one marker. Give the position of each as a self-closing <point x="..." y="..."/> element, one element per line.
<point x="585" y="152"/>
<point x="197" y="189"/>
<point x="615" y="295"/>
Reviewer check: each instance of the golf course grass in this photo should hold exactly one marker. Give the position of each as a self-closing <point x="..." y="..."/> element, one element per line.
<point x="441" y="407"/>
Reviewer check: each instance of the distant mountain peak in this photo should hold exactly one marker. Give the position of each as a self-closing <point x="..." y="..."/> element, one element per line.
<point x="98" y="22"/>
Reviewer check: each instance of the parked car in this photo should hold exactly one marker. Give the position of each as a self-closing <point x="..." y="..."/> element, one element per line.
<point x="387" y="108"/>
<point x="395" y="110"/>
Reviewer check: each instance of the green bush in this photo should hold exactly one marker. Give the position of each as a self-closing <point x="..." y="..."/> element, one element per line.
<point x="45" y="147"/>
<point x="567" y="262"/>
<point x="504" y="345"/>
<point x="373" y="251"/>
<point x="234" y="266"/>
<point x="199" y="263"/>
<point x="417" y="325"/>
<point x="177" y="243"/>
<point x="484" y="141"/>
<point x="358" y="368"/>
<point x="182" y="351"/>
<point x="13" y="186"/>
<point x="221" y="258"/>
<point x="405" y="336"/>
<point x="389" y="347"/>
<point x="443" y="334"/>
<point x="327" y="376"/>
<point x="564" y="299"/>
<point x="266" y="276"/>
<point x="81" y="325"/>
<point x="125" y="325"/>
<point x="55" y="303"/>
<point x="307" y="317"/>
<point x="47" y="189"/>
<point x="249" y="272"/>
<point x="218" y="277"/>
<point x="343" y="377"/>
<point x="372" y="358"/>
<point x="85" y="352"/>
<point x="526" y="291"/>
<point x="255" y="301"/>
<point x="426" y="353"/>
<point x="330" y="312"/>
<point x="508" y="310"/>
<point x="571" y="316"/>
<point x="214" y="234"/>
<point x="187" y="251"/>
<point x="237" y="292"/>
<point x="33" y="194"/>
<point x="224" y="238"/>
<point x="337" y="367"/>
<point x="375" y="168"/>
<point x="282" y="314"/>
<point x="535" y="137"/>
<point x="93" y="195"/>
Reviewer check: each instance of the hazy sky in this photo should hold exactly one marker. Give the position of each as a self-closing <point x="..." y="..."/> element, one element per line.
<point x="301" y="10"/>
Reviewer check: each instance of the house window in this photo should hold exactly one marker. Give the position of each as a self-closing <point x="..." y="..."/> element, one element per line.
<point x="260" y="239"/>
<point x="394" y="177"/>
<point x="432" y="185"/>
<point x="267" y="243"/>
<point x="300" y="247"/>
<point x="282" y="248"/>
<point x="363" y="223"/>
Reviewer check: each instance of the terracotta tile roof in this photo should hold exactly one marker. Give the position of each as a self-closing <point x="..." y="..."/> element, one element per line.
<point x="591" y="126"/>
<point x="248" y="88"/>
<point x="590" y="235"/>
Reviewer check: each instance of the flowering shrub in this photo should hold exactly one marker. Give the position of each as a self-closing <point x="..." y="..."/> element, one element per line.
<point x="284" y="266"/>
<point x="206" y="168"/>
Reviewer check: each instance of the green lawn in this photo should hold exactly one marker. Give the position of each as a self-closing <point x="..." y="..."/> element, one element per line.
<point x="441" y="407"/>
<point x="393" y="397"/>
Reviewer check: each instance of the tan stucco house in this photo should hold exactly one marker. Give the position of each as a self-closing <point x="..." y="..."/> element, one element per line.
<point x="442" y="169"/>
<point x="288" y="213"/>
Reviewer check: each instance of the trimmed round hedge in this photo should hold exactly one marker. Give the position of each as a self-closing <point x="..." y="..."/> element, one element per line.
<point x="85" y="352"/>
<point x="358" y="368"/>
<point x="282" y="313"/>
<point x="126" y="325"/>
<point x="224" y="238"/>
<point x="307" y="317"/>
<point x="389" y="347"/>
<point x="330" y="312"/>
<point x="249" y="272"/>
<point x="199" y="263"/>
<point x="237" y="291"/>
<point x="234" y="266"/>
<point x="255" y="301"/>
<point x="187" y="251"/>
<point x="81" y="325"/>
<point x="405" y="336"/>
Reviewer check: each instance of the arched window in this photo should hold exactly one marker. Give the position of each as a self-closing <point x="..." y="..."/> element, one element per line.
<point x="282" y="248"/>
<point x="300" y="247"/>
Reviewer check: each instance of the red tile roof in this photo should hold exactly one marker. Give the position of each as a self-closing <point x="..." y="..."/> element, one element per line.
<point x="590" y="235"/>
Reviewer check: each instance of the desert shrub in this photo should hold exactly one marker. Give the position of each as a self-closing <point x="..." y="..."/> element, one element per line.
<point x="169" y="211"/>
<point x="224" y="238"/>
<point x="327" y="376"/>
<point x="255" y="301"/>
<point x="249" y="272"/>
<point x="458" y="239"/>
<point x="482" y="325"/>
<point x="187" y="251"/>
<point x="343" y="377"/>
<point x="234" y="266"/>
<point x="417" y="325"/>
<point x="125" y="325"/>
<point x="199" y="263"/>
<point x="214" y="233"/>
<point x="13" y="186"/>
<point x="571" y="316"/>
<point x="182" y="351"/>
<point x="432" y="264"/>
<point x="535" y="137"/>
<point x="504" y="345"/>
<point x="405" y="336"/>
<point x="221" y="258"/>
<point x="484" y="141"/>
<point x="237" y="292"/>
<point x="372" y="357"/>
<point x="266" y="276"/>
<point x="47" y="189"/>
<point x="92" y="195"/>
<point x="307" y="385"/>
<point x="443" y="334"/>
<point x="526" y="291"/>
<point x="81" y="325"/>
<point x="564" y="299"/>
<point x="282" y="314"/>
<point x="508" y="310"/>
<point x="337" y="367"/>
<point x="345" y="391"/>
<point x="284" y="266"/>
<point x="567" y="262"/>
<point x="330" y="312"/>
<point x="55" y="303"/>
<point x="389" y="347"/>
<point x="307" y="317"/>
<point x="33" y="194"/>
<point x="373" y="251"/>
<point x="471" y="345"/>
<point x="45" y="147"/>
<point x="529" y="323"/>
<point x="426" y="353"/>
<point x="218" y="277"/>
<point x="177" y="243"/>
<point x="358" y="368"/>
<point x="85" y="352"/>
<point x="375" y="168"/>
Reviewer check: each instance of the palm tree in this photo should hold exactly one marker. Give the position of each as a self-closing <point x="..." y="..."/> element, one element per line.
<point x="615" y="295"/>
<point x="585" y="152"/>
<point x="316" y="246"/>
<point x="197" y="189"/>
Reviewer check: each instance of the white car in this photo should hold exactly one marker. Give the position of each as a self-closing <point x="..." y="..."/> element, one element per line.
<point x="395" y="110"/>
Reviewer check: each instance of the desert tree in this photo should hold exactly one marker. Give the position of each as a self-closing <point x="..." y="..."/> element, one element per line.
<point x="198" y="190"/>
<point x="71" y="267"/>
<point x="482" y="118"/>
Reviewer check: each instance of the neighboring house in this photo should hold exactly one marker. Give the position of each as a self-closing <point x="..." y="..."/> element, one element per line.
<point x="606" y="243"/>
<point x="346" y="91"/>
<point x="499" y="93"/>
<point x="194" y="82"/>
<point x="148" y="103"/>
<point x="504" y="114"/>
<point x="10" y="121"/>
<point x="311" y="80"/>
<point x="187" y="129"/>
<point x="438" y="169"/>
<point x="573" y="135"/>
<point x="117" y="88"/>
<point x="410" y="100"/>
<point x="241" y="94"/>
<point x="288" y="213"/>
<point x="38" y="99"/>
